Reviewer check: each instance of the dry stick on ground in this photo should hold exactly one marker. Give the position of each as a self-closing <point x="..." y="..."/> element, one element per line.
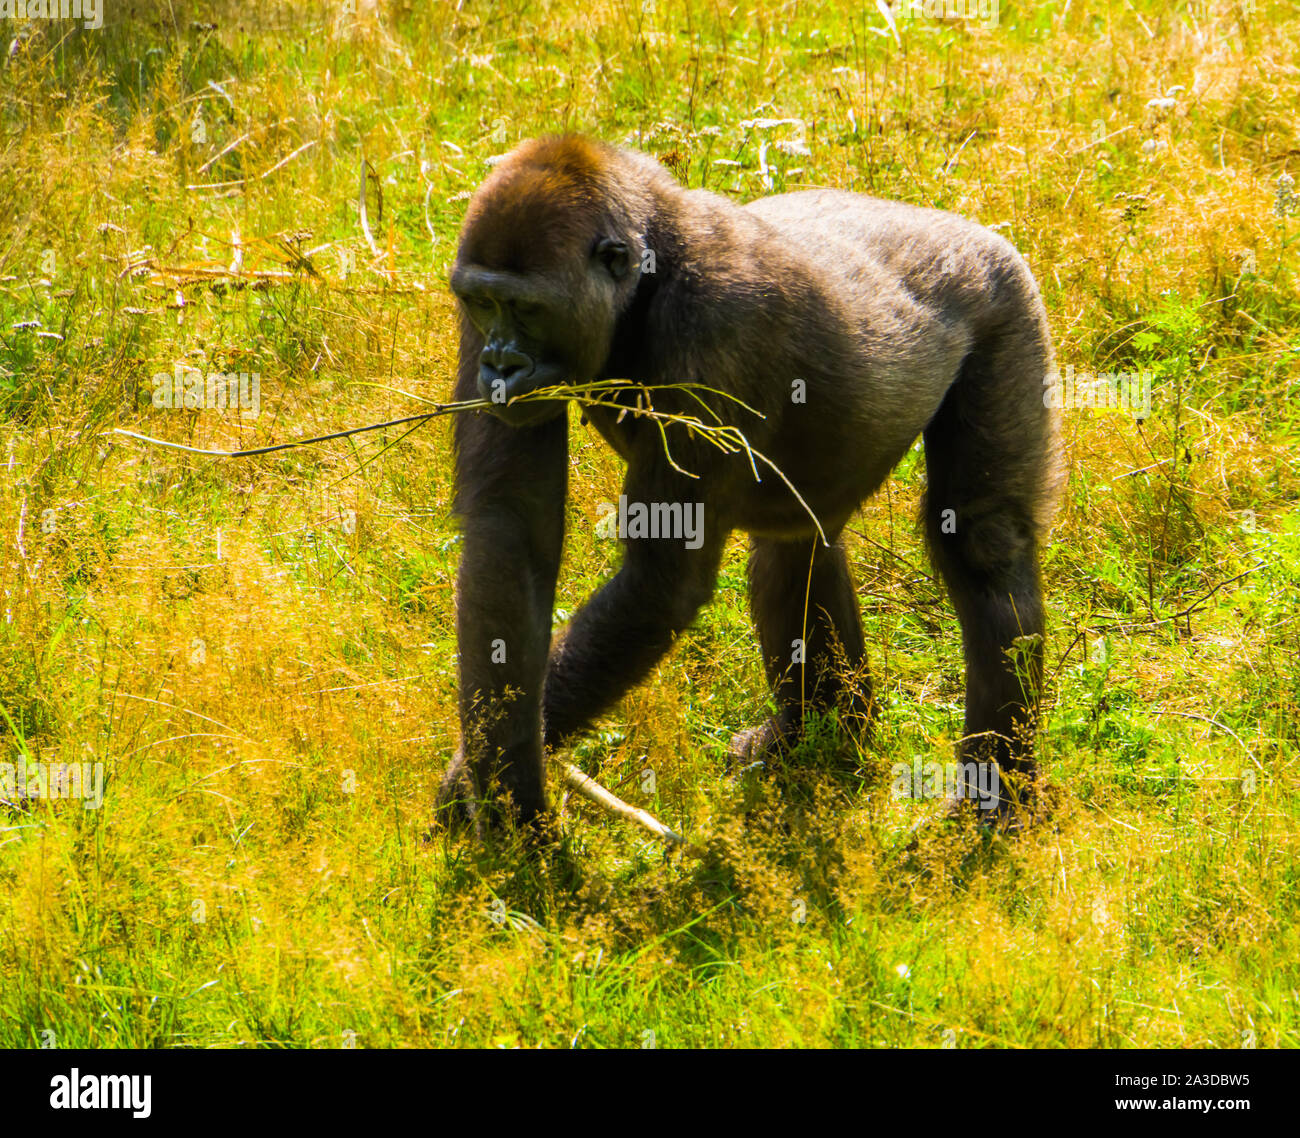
<point x="726" y="438"/>
<point x="590" y="789"/>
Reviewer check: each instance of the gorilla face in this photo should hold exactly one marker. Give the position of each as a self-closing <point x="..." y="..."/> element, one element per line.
<point x="546" y="327"/>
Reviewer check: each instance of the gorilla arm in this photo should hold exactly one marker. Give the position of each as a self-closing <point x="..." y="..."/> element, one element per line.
<point x="511" y="485"/>
<point x="625" y="628"/>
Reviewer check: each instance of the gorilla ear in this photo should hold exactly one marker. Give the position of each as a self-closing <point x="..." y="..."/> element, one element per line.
<point x="613" y="255"/>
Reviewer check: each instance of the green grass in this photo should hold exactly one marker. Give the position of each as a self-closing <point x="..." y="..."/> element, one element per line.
<point x="274" y="720"/>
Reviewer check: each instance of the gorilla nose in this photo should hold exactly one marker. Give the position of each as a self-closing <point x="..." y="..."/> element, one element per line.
<point x="504" y="363"/>
<point x="503" y="373"/>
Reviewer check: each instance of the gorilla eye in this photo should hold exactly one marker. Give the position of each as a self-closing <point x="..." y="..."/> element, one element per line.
<point x="613" y="254"/>
<point x="478" y="307"/>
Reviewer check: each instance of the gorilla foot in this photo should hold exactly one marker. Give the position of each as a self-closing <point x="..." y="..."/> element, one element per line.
<point x="756" y="746"/>
<point x="782" y="747"/>
<point x="459" y="807"/>
<point x="456" y="805"/>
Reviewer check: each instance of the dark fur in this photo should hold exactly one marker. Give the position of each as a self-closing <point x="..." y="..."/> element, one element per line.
<point x="901" y="321"/>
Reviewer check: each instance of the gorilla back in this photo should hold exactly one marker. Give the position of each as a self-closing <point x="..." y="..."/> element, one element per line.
<point x="831" y="329"/>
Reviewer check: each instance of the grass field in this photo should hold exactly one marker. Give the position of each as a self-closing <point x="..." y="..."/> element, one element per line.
<point x="261" y="653"/>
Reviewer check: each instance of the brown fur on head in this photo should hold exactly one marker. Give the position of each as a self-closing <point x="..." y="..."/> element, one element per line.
<point x="542" y="203"/>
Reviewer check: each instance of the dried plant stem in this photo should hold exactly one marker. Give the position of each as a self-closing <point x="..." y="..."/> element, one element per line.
<point x="726" y="438"/>
<point x="590" y="789"/>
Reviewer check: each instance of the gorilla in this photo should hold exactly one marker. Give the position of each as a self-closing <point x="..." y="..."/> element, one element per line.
<point x="828" y="328"/>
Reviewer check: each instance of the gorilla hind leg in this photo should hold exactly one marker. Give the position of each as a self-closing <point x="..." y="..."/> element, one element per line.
<point x="810" y="634"/>
<point x="993" y="472"/>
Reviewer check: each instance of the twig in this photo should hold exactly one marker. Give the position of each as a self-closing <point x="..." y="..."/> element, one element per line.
<point x="728" y="439"/>
<point x="361" y="202"/>
<point x="590" y="789"/>
<point x="442" y="410"/>
<point x="1133" y="627"/>
<point x="1187" y="612"/>
<point x="264" y="174"/>
<point x="187" y="274"/>
<point x="1099" y="141"/>
<point x="1142" y="470"/>
<point x="288" y="158"/>
<point x="223" y="152"/>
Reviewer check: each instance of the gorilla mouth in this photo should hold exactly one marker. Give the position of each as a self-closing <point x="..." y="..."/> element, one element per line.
<point x="540" y="394"/>
<point x="520" y="412"/>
